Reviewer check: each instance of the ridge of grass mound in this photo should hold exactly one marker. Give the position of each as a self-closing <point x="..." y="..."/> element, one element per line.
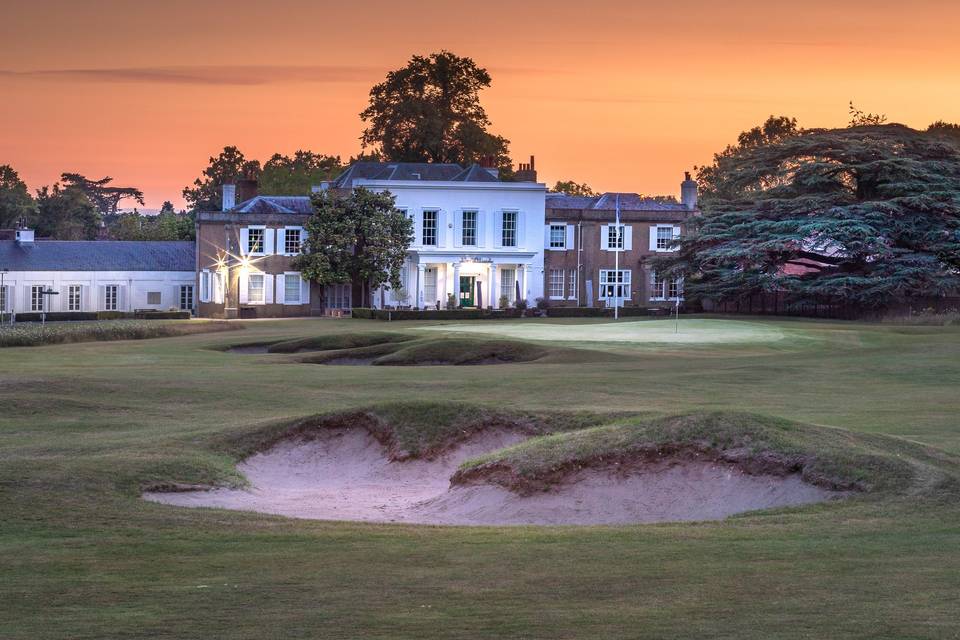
<point x="337" y="342"/>
<point x="36" y="335"/>
<point x="830" y="458"/>
<point x="462" y="352"/>
<point x="432" y="352"/>
<point x="411" y="429"/>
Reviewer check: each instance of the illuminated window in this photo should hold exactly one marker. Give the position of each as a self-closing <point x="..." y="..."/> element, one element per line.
<point x="509" y="235"/>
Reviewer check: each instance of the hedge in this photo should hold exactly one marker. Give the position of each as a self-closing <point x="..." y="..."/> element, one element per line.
<point x="604" y="312"/>
<point x="67" y="316"/>
<point x="433" y="314"/>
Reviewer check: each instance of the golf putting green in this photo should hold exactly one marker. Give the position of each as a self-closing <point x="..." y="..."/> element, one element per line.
<point x="687" y="331"/>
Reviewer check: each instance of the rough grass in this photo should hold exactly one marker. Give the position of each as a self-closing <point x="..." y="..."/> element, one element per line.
<point x="35" y="334"/>
<point x="828" y="457"/>
<point x="84" y="426"/>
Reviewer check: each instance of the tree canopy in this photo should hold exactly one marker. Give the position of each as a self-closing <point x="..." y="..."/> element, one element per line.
<point x="106" y="198"/>
<point x="15" y="200"/>
<point x="867" y="214"/>
<point x="166" y="225"/>
<point x="359" y="237"/>
<point x="572" y="188"/>
<point x="66" y="214"/>
<point x="294" y="176"/>
<point x="226" y="168"/>
<point x="430" y="111"/>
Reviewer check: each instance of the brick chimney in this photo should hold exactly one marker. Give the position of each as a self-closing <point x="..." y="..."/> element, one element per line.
<point x="527" y="172"/>
<point x="489" y="163"/>
<point x="246" y="189"/>
<point x="688" y="192"/>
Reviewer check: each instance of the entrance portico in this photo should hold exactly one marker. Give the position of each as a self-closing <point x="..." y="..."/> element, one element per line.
<point x="473" y="280"/>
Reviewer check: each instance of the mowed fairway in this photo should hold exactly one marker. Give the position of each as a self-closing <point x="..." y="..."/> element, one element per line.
<point x="84" y="427"/>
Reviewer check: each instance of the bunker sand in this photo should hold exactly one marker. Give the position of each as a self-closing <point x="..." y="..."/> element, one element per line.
<point x="345" y="474"/>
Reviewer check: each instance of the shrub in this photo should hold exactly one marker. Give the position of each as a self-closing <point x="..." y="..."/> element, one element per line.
<point x="504" y="302"/>
<point x="451" y="302"/>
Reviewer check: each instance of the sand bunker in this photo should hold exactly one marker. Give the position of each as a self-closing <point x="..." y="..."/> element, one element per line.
<point x="345" y="474"/>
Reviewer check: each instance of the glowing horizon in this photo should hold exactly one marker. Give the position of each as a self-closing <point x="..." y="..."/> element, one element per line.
<point x="624" y="96"/>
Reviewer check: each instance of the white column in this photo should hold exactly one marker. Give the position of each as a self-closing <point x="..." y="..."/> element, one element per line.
<point x="420" y="276"/>
<point x="494" y="292"/>
<point x="528" y="295"/>
<point x="456" y="283"/>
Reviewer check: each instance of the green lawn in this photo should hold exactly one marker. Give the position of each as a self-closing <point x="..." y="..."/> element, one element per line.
<point x="85" y="425"/>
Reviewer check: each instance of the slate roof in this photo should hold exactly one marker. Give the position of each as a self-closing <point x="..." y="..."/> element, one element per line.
<point x="97" y="255"/>
<point x="275" y="204"/>
<point x="427" y="171"/>
<point x="608" y="202"/>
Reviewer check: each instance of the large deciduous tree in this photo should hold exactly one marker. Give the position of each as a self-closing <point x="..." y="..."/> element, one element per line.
<point x="867" y="214"/>
<point x="15" y="200"/>
<point x="228" y="167"/>
<point x="358" y="238"/>
<point x="430" y="111"/>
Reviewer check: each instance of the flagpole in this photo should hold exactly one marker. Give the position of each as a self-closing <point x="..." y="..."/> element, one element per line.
<point x="616" y="269"/>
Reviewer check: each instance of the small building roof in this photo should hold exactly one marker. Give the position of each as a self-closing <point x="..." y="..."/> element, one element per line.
<point x="608" y="202"/>
<point x="97" y="255"/>
<point x="275" y="204"/>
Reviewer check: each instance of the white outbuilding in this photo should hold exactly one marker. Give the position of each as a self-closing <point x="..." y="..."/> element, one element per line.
<point x="96" y="275"/>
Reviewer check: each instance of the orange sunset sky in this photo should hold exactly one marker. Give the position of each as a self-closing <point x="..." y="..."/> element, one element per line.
<point x="622" y="95"/>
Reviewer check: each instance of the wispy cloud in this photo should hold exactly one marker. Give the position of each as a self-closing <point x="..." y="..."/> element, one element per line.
<point x="205" y="75"/>
<point x="222" y="75"/>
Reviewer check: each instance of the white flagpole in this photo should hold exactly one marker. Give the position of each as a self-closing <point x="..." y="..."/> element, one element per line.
<point x="616" y="271"/>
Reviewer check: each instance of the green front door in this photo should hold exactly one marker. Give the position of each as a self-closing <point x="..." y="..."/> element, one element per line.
<point x="467" y="287"/>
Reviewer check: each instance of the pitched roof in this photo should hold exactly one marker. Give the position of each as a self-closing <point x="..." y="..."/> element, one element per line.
<point x="97" y="255"/>
<point x="275" y="204"/>
<point x="608" y="202"/>
<point x="427" y="171"/>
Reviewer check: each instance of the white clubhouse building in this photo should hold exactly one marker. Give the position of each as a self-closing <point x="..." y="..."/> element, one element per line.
<point x="476" y="238"/>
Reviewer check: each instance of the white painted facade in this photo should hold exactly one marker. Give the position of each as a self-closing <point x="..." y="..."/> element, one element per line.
<point x="91" y="291"/>
<point x="474" y="240"/>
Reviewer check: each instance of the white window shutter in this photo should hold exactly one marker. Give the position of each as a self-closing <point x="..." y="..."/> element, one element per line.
<point x="219" y="288"/>
<point x="458" y="228"/>
<point x="605" y="237"/>
<point x="244" y="282"/>
<point x="546" y="237"/>
<point x="497" y="232"/>
<point x="653" y="237"/>
<point x="481" y="239"/>
<point x="521" y="230"/>
<point x="121" y="298"/>
<point x="244" y="240"/>
<point x="268" y="288"/>
<point x="101" y="298"/>
<point x="304" y="291"/>
<point x="279" y="283"/>
<point x="269" y="241"/>
<point x="442" y="231"/>
<point x="418" y="228"/>
<point x="569" y="246"/>
<point x="303" y="238"/>
<point x="627" y="238"/>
